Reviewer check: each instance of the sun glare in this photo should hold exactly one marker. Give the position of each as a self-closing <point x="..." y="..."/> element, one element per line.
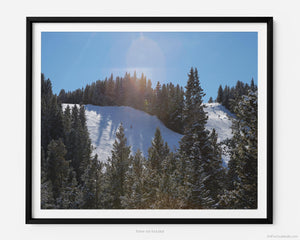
<point x="145" y="56"/>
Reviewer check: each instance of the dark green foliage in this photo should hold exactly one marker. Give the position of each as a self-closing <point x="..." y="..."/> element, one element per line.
<point x="57" y="166"/>
<point x="215" y="181"/>
<point x="52" y="121"/>
<point x="195" y="147"/>
<point x="71" y="196"/>
<point x="65" y="154"/>
<point x="229" y="97"/>
<point x="157" y="153"/>
<point x="61" y="183"/>
<point x="134" y="189"/>
<point x="253" y="87"/>
<point x="91" y="181"/>
<point x="175" y="107"/>
<point x="165" y="101"/>
<point x="242" y="173"/>
<point x="47" y="199"/>
<point x="79" y="147"/>
<point x="220" y="95"/>
<point x="168" y="190"/>
<point x="67" y="126"/>
<point x="116" y="168"/>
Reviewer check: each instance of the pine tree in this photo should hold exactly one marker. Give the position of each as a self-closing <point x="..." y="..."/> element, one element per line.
<point x="163" y="103"/>
<point x="168" y="192"/>
<point x="253" y="87"/>
<point x="47" y="199"/>
<point x="215" y="181"/>
<point x="72" y="147"/>
<point x="119" y="91"/>
<point x="226" y="97"/>
<point x="85" y="142"/>
<point x="90" y="184"/>
<point x="79" y="148"/>
<point x="210" y="100"/>
<point x="178" y="113"/>
<point x="148" y="97"/>
<point x="134" y="183"/>
<point x="195" y="147"/>
<point x="86" y="95"/>
<point x="175" y="107"/>
<point x="220" y="95"/>
<point x="67" y="125"/>
<point x="157" y="98"/>
<point x="110" y="90"/>
<point x="71" y="195"/>
<point x="117" y="167"/>
<point x="58" y="167"/>
<point x="243" y="162"/>
<point x="51" y="113"/>
<point x="142" y="84"/>
<point x="157" y="152"/>
<point x="62" y="96"/>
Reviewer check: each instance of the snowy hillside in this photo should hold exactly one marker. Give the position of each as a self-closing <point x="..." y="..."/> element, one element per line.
<point x="219" y="118"/>
<point x="103" y="122"/>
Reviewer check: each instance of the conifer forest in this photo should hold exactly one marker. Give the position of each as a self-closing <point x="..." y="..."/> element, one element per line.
<point x="193" y="176"/>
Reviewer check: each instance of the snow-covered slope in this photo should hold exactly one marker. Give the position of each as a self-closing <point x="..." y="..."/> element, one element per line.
<point x="219" y="118"/>
<point x="103" y="122"/>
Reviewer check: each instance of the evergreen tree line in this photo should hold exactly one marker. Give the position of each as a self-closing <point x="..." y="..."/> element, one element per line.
<point x="69" y="173"/>
<point x="191" y="178"/>
<point x="230" y="96"/>
<point x="165" y="101"/>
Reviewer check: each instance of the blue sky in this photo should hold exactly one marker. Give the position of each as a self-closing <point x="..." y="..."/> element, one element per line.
<point x="73" y="59"/>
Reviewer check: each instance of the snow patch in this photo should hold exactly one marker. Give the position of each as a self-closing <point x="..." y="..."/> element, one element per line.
<point x="219" y="118"/>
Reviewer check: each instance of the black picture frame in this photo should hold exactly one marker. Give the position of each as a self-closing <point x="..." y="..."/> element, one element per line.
<point x="29" y="120"/>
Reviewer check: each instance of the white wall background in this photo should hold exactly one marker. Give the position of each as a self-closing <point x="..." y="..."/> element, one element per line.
<point x="286" y="117"/>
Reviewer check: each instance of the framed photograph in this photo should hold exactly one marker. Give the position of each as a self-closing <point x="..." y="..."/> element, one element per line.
<point x="149" y="120"/>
